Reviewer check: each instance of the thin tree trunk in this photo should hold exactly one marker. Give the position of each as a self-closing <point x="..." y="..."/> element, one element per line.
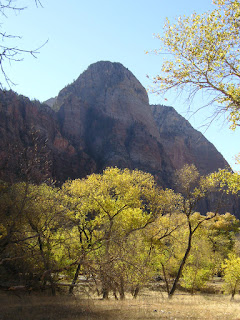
<point x="47" y="267"/>
<point x="165" y="278"/>
<point x="179" y="273"/>
<point x="105" y="285"/>
<point x="105" y="277"/>
<point x="115" y="294"/>
<point x="121" y="289"/>
<point x="74" y="279"/>
<point x="53" y="286"/>
<point x="136" y="292"/>
<point x="234" y="291"/>
<point x="105" y="292"/>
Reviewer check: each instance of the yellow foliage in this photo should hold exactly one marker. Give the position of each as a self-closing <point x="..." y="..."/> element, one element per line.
<point x="204" y="54"/>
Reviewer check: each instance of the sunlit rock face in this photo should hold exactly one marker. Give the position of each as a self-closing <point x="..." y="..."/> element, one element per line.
<point x="104" y="119"/>
<point x="106" y="114"/>
<point x="183" y="144"/>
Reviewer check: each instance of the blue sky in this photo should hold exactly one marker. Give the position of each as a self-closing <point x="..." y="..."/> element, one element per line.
<point x="83" y="32"/>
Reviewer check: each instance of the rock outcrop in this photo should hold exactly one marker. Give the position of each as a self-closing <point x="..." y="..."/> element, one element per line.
<point x="183" y="144"/>
<point x="25" y="124"/>
<point x="106" y="114"/>
<point x="104" y="119"/>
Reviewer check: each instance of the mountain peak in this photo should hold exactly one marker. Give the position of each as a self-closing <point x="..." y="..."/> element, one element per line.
<point x="100" y="78"/>
<point x="108" y="69"/>
<point x="110" y="89"/>
<point x="104" y="119"/>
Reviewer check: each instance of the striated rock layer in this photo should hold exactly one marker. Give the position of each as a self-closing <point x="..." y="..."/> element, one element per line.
<point x="104" y="119"/>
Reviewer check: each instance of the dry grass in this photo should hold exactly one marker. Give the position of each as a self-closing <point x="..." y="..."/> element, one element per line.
<point x="149" y="306"/>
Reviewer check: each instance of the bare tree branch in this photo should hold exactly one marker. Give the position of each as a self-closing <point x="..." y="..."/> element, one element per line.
<point x="11" y="53"/>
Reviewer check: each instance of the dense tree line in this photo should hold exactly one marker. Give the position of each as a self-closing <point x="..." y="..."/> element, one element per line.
<point x="118" y="229"/>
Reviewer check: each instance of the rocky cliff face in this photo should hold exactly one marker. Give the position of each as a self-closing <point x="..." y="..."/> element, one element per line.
<point x="104" y="119"/>
<point x="25" y="124"/>
<point x="106" y="114"/>
<point x="183" y="144"/>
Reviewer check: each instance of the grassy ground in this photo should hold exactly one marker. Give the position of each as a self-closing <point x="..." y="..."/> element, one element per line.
<point x="149" y="305"/>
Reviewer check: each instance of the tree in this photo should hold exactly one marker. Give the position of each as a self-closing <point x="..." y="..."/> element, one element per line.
<point x="117" y="227"/>
<point x="231" y="269"/>
<point x="221" y="235"/>
<point x="44" y="226"/>
<point x="200" y="265"/>
<point x="193" y="188"/>
<point x="230" y="182"/>
<point x="10" y="53"/>
<point x="106" y="209"/>
<point x="204" y="54"/>
<point x="212" y="243"/>
<point x="33" y="234"/>
<point x="184" y="223"/>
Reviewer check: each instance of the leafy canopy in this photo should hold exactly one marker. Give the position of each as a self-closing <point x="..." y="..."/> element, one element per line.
<point x="204" y="55"/>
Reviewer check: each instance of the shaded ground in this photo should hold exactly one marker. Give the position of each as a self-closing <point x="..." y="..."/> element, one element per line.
<point x="149" y="306"/>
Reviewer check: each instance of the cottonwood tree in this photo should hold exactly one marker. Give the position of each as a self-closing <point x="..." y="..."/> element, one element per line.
<point x="109" y="208"/>
<point x="184" y="223"/>
<point x="119" y="204"/>
<point x="117" y="227"/>
<point x="212" y="243"/>
<point x="204" y="55"/>
<point x="44" y="225"/>
<point x="200" y="265"/>
<point x="230" y="182"/>
<point x="193" y="189"/>
<point x="231" y="270"/>
<point x="33" y="232"/>
<point x="28" y="165"/>
<point x="169" y="253"/>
